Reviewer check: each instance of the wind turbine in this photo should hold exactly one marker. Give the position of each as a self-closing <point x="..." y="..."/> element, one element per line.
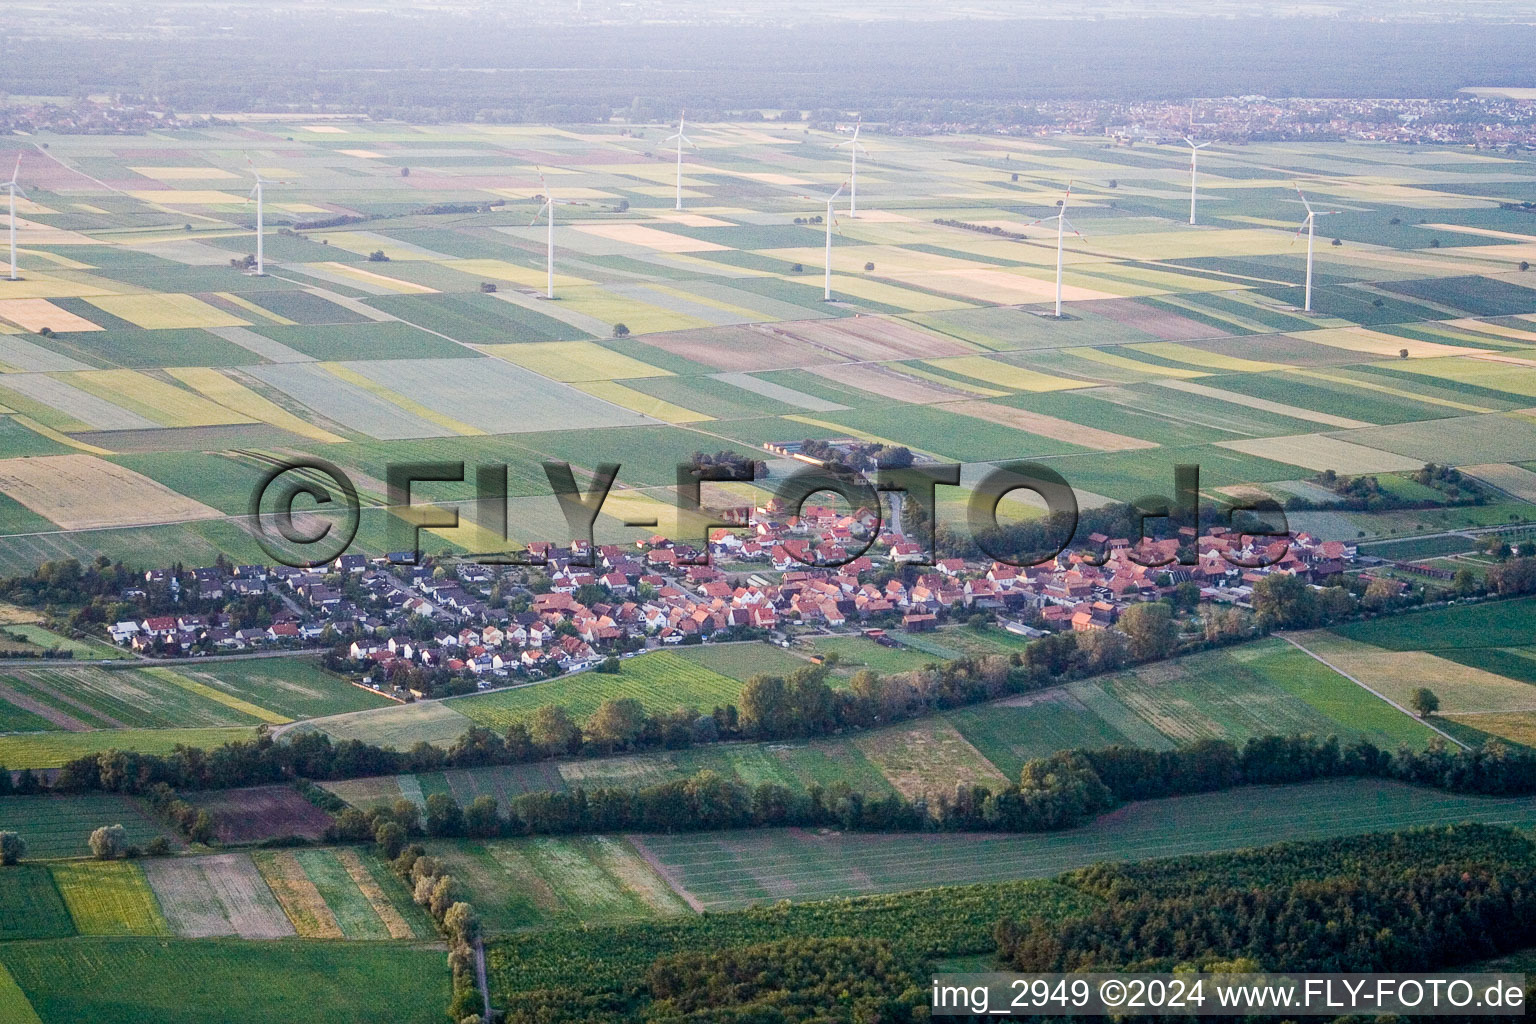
<point x="1061" y="225"/>
<point x="1194" y="156"/>
<point x="550" y="202"/>
<point x="12" y="187"/>
<point x="826" y="293"/>
<point x="258" y="193"/>
<point x="1309" y="226"/>
<point x="854" y="145"/>
<point x="681" y="139"/>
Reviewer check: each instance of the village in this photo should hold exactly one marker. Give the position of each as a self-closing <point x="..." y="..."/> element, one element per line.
<point x="445" y="627"/>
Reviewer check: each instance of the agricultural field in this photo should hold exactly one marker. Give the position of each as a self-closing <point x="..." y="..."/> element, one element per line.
<point x="261" y="812"/>
<point x="58" y="826"/>
<point x="1263" y="688"/>
<point x="332" y="894"/>
<point x="182" y="981"/>
<point x="109" y="898"/>
<point x="525" y="883"/>
<point x="722" y="871"/>
<point x="1182" y="344"/>
<point x="1478" y="659"/>
<point x="49" y="715"/>
<point x="661" y="681"/>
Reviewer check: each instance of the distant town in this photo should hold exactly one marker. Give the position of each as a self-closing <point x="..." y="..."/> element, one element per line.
<point x="1489" y="119"/>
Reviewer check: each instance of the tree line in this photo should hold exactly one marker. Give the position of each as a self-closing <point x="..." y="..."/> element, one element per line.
<point x="1064" y="790"/>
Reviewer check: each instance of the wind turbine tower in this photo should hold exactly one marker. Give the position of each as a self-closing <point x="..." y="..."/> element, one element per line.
<point x="826" y="291"/>
<point x="1310" y="227"/>
<point x="1194" y="156"/>
<point x="12" y="187"/>
<point x="550" y="202"/>
<point x="854" y="145"/>
<point x="259" y="194"/>
<point x="1061" y="230"/>
<point x="681" y="141"/>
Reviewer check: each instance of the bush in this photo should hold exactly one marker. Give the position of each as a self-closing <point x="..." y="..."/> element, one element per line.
<point x="12" y="848"/>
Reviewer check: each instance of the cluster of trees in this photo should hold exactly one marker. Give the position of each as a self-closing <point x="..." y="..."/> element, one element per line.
<point x="739" y="464"/>
<point x="1398" y="902"/>
<point x="1283" y="601"/>
<point x="194" y="823"/>
<point x="986" y="229"/>
<point x="785" y="980"/>
<point x="854" y="456"/>
<point x="1366" y="494"/>
<point x="1512" y="578"/>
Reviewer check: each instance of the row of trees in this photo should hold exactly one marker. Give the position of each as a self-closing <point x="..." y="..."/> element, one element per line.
<point x="1064" y="790"/>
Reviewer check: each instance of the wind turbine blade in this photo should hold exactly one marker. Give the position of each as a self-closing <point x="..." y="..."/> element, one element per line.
<point x="17" y="170"/>
<point x="1191" y="142"/>
<point x="1076" y="232"/>
<point x="1303" y="227"/>
<point x="1304" y="201"/>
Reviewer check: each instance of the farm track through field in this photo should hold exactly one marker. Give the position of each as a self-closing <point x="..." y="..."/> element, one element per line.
<point x="1381" y="696"/>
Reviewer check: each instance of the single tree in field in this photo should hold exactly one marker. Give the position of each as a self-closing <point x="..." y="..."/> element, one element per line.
<point x="621" y="330"/>
<point x="12" y="848"/>
<point x="109" y="842"/>
<point x="1424" y="702"/>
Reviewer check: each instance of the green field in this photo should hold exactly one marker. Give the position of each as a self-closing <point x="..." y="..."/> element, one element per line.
<point x="58" y="826"/>
<point x="722" y="871"/>
<point x="297" y="687"/>
<point x="742" y="661"/>
<point x="524" y="883"/>
<point x="1491" y="624"/>
<point x="110" y="898"/>
<point x="54" y="749"/>
<point x="861" y="652"/>
<point x="34" y="909"/>
<point x="661" y="681"/>
<point x="190" y="981"/>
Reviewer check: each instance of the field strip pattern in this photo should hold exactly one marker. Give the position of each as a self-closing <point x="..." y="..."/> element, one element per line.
<point x="223" y="894"/>
<point x="721" y="871"/>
